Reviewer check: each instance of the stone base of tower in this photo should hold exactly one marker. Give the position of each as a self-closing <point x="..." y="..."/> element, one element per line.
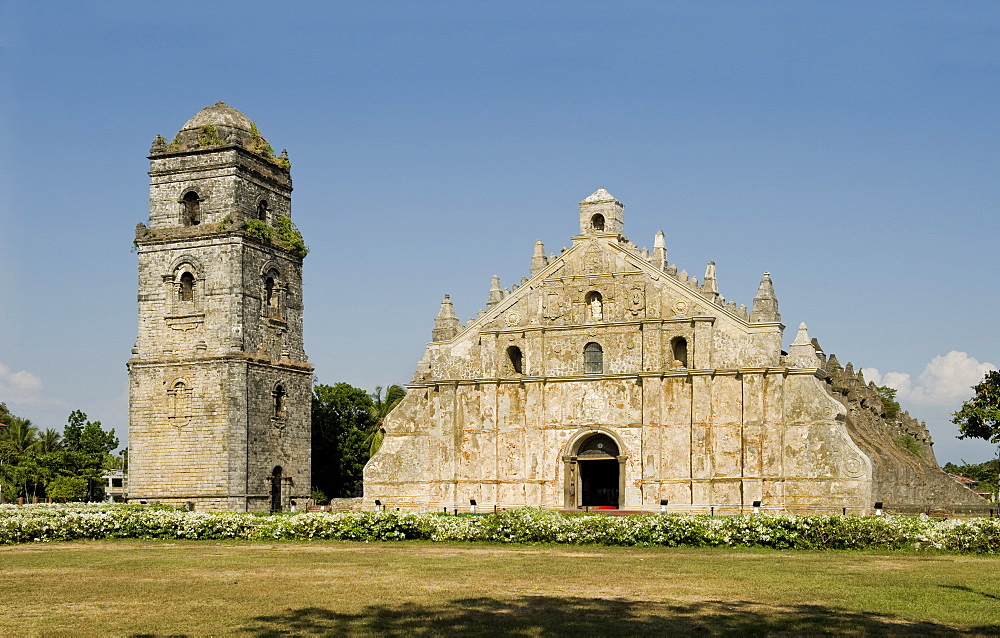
<point x="219" y="449"/>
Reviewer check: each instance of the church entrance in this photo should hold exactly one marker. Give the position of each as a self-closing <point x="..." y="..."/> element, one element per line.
<point x="594" y="471"/>
<point x="599" y="482"/>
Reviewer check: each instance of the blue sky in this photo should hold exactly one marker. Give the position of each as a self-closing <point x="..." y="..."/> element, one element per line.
<point x="851" y="149"/>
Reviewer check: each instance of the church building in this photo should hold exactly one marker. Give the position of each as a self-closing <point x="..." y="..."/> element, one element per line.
<point x="219" y="384"/>
<point x="608" y="379"/>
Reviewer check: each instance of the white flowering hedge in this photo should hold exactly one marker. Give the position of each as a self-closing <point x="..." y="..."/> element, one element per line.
<point x="39" y="523"/>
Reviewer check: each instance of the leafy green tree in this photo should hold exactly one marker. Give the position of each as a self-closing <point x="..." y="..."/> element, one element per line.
<point x="380" y="410"/>
<point x="86" y="452"/>
<point x="66" y="488"/>
<point x="341" y="419"/>
<point x="979" y="417"/>
<point x="890" y="407"/>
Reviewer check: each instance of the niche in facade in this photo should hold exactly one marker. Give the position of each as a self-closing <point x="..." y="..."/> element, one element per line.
<point x="516" y="359"/>
<point x="679" y="352"/>
<point x="595" y="306"/>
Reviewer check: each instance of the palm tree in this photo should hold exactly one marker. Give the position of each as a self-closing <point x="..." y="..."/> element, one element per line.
<point x="49" y="441"/>
<point x="17" y="440"/>
<point x="379" y="411"/>
<point x="20" y="436"/>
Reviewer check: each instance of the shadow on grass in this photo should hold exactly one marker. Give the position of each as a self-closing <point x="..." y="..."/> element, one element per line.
<point x="971" y="591"/>
<point x="551" y="615"/>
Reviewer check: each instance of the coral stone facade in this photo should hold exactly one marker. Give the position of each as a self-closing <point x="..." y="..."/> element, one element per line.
<point x="609" y="380"/>
<point x="219" y="383"/>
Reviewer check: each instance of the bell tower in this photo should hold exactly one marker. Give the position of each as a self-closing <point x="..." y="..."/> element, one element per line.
<point x="219" y="384"/>
<point x="601" y="213"/>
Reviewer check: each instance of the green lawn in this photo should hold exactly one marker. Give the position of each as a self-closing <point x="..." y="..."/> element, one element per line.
<point x="406" y="588"/>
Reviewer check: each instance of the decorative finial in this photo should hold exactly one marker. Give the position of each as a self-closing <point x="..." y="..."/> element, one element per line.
<point x="159" y="145"/>
<point x="496" y="295"/>
<point x="710" y="286"/>
<point x="446" y="324"/>
<point x="765" y="304"/>
<point x="538" y="261"/>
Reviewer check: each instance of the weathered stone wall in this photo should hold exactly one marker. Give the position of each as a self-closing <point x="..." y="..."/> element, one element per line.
<point x="698" y="402"/>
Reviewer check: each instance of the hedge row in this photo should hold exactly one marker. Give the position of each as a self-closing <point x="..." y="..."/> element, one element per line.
<point x="40" y="523"/>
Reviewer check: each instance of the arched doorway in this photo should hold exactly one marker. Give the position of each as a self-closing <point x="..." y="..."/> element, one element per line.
<point x="594" y="472"/>
<point x="276" y="489"/>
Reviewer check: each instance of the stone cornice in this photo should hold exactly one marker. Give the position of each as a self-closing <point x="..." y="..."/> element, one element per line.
<point x="641" y="323"/>
<point x="634" y="376"/>
<point x="283" y="364"/>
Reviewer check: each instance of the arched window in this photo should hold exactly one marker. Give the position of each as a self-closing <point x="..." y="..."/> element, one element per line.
<point x="270" y="298"/>
<point x="279" y="395"/>
<point x="679" y="352"/>
<point x="516" y="359"/>
<point x="192" y="209"/>
<point x="593" y="358"/>
<point x="597" y="222"/>
<point x="185" y="287"/>
<point x="595" y="306"/>
<point x="262" y="210"/>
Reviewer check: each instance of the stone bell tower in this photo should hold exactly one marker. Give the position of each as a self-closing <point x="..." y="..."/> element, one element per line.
<point x="219" y="383"/>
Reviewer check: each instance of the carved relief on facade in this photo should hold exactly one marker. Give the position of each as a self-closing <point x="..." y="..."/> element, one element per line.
<point x="636" y="299"/>
<point x="594" y="260"/>
<point x="555" y="306"/>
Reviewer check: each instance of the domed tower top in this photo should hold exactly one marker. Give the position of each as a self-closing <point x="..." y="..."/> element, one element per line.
<point x="213" y="126"/>
<point x="601" y="213"/>
<point x="218" y="169"/>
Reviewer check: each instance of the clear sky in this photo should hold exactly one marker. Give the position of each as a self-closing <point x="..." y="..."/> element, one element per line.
<point x="849" y="148"/>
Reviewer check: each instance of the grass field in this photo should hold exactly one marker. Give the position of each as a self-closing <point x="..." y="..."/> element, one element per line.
<point x="420" y="588"/>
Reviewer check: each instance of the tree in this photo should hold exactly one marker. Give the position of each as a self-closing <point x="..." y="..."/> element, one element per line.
<point x="30" y="461"/>
<point x="66" y="488"/>
<point x="341" y="419"/>
<point x="979" y="417"/>
<point x="380" y="410"/>
<point x="18" y="442"/>
<point x="86" y="452"/>
<point x="890" y="407"/>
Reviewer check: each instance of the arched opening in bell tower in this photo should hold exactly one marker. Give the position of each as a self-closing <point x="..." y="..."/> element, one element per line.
<point x="597" y="222"/>
<point x="191" y="209"/>
<point x="185" y="288"/>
